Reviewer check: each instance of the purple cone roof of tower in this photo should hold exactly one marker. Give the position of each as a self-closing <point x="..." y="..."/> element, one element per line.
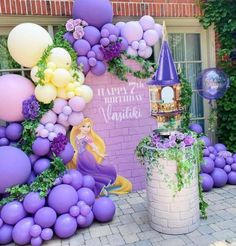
<point x="166" y="73"/>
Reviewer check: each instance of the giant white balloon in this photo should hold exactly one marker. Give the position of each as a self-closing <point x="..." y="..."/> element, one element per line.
<point x="27" y="42"/>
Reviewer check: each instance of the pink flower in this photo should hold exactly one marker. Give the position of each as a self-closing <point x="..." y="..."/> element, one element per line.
<point x="77" y="22"/>
<point x="78" y="34"/>
<point x="84" y="23"/>
<point x="79" y="28"/>
<point x="70" y="25"/>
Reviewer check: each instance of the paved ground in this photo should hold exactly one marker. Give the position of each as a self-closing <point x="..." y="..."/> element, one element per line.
<point x="130" y="225"/>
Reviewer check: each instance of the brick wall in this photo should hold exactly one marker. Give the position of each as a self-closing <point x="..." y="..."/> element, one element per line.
<point x="156" y="8"/>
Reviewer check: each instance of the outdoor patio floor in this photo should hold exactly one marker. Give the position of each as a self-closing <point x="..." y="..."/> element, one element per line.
<point x="130" y="224"/>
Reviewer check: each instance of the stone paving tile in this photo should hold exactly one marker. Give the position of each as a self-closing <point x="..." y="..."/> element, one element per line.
<point x="223" y="234"/>
<point x="143" y="243"/>
<point x="172" y="242"/>
<point x="129" y="229"/>
<point x="130" y="238"/>
<point x="100" y="231"/>
<point x="93" y="242"/>
<point x="116" y="239"/>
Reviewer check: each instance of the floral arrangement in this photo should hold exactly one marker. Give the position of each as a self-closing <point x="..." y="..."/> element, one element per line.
<point x="76" y="27"/>
<point x="111" y="51"/>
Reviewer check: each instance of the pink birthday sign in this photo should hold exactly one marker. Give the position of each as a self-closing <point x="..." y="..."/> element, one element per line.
<point x="121" y="114"/>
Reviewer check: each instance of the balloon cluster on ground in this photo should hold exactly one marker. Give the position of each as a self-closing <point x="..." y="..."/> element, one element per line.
<point x="70" y="204"/>
<point x="219" y="165"/>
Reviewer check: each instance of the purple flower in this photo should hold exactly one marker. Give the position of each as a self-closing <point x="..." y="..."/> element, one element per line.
<point x="58" y="144"/>
<point x="180" y="136"/>
<point x="30" y="108"/>
<point x="78" y="35"/>
<point x="70" y="25"/>
<point x="189" y="141"/>
<point x="172" y="138"/>
<point x="77" y="22"/>
<point x="111" y="51"/>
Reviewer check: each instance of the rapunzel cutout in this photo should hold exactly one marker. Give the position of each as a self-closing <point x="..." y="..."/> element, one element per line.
<point x="89" y="153"/>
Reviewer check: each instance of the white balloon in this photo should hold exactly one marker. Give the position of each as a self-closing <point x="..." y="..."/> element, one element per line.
<point x="132" y="52"/>
<point x="33" y="73"/>
<point x="87" y="93"/>
<point x="60" y="57"/>
<point x="27" y="42"/>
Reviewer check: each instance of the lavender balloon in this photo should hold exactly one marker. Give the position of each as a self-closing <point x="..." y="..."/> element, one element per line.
<point x="232" y="178"/>
<point x="233" y="166"/>
<point x="77" y="179"/>
<point x="196" y="128"/>
<point x="41" y="165"/>
<point x="92" y="35"/>
<point x="206" y="152"/>
<point x="229" y="160"/>
<point x="219" y="177"/>
<point x="41" y="146"/>
<point x="65" y="226"/>
<point x="112" y="29"/>
<point x="220" y="147"/>
<point x="88" y="182"/>
<point x="227" y="168"/>
<point x="33" y="202"/>
<point x="98" y="53"/>
<point x="99" y="69"/>
<point x="206" y="182"/>
<point x="206" y="140"/>
<point x="47" y="234"/>
<point x="37" y="241"/>
<point x="67" y="154"/>
<point x="207" y="166"/>
<point x="14" y="131"/>
<point x="68" y="36"/>
<point x="83" y="60"/>
<point x="5" y="234"/>
<point x="89" y="220"/>
<point x="35" y="231"/>
<point x="45" y="217"/>
<point x="82" y="47"/>
<point x="86" y="195"/>
<point x="220" y="162"/>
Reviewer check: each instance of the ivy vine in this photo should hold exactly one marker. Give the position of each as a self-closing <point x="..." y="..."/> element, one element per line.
<point x="222" y="14"/>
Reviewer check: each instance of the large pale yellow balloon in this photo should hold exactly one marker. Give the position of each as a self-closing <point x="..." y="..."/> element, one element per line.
<point x="87" y="93"/>
<point x="60" y="57"/>
<point x="27" y="42"/>
<point x="45" y="93"/>
<point x="61" y="77"/>
<point x="81" y="77"/>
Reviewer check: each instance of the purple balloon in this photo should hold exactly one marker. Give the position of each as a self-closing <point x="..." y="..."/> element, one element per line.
<point x="233" y="166"/>
<point x="80" y="204"/>
<point x="99" y="69"/>
<point x="89" y="220"/>
<point x="104" y="209"/>
<point x="74" y="211"/>
<point x="98" y="53"/>
<point x="92" y="61"/>
<point x="41" y="165"/>
<point x="105" y="42"/>
<point x="113" y="38"/>
<point x="37" y="241"/>
<point x="206" y="141"/>
<point x="92" y="35"/>
<point x="91" y="53"/>
<point x="104" y="33"/>
<point x="85" y="210"/>
<point x="206" y="181"/>
<point x="196" y="128"/>
<point x="67" y="179"/>
<point x="15" y="167"/>
<point x="132" y="31"/>
<point x="31" y="178"/>
<point x="41" y="146"/>
<point x="62" y="197"/>
<point x="65" y="226"/>
<point x="47" y="234"/>
<point x="82" y="47"/>
<point x="219" y="177"/>
<point x="112" y="29"/>
<point x="5" y="234"/>
<point x="1" y="222"/>
<point x="14" y="131"/>
<point x="88" y="182"/>
<point x="83" y="60"/>
<point x="45" y="217"/>
<point x="227" y="168"/>
<point x="86" y="195"/>
<point x="231" y="178"/>
<point x="220" y="147"/>
<point x="206" y="152"/>
<point x="96" y="13"/>
<point x="212" y="156"/>
<point x="13" y="212"/>
<point x="77" y="178"/>
<point x="21" y="231"/>
<point x="33" y="158"/>
<point x="4" y="142"/>
<point x="2" y="132"/>
<point x="81" y="220"/>
<point x="229" y="160"/>
<point x="220" y="162"/>
<point x="33" y="202"/>
<point x="68" y="36"/>
<point x="67" y="154"/>
<point x="35" y="231"/>
<point x="212" y="83"/>
<point x="207" y="166"/>
<point x="211" y="149"/>
<point x="124" y="44"/>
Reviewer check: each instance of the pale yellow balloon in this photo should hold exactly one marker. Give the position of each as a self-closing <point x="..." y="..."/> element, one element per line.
<point x="78" y="91"/>
<point x="70" y="87"/>
<point x="60" y="57"/>
<point x="33" y="74"/>
<point x="52" y="66"/>
<point x="48" y="74"/>
<point x="61" y="93"/>
<point x="87" y="93"/>
<point x="61" y="77"/>
<point x="45" y="93"/>
<point x="27" y="42"/>
<point x="70" y="94"/>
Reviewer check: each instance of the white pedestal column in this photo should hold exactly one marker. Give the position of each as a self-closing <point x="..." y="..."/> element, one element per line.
<point x="168" y="214"/>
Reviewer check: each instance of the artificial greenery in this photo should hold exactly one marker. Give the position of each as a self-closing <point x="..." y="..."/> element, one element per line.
<point x="58" y="42"/>
<point x="29" y="131"/>
<point x="42" y="183"/>
<point x="188" y="165"/>
<point x="222" y="14"/>
<point x="118" y="67"/>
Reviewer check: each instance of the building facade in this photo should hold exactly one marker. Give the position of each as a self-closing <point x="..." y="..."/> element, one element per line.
<point x="192" y="46"/>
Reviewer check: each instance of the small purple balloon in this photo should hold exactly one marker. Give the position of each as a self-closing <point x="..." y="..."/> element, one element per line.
<point x="220" y="162"/>
<point x="91" y="54"/>
<point x="92" y="61"/>
<point x="74" y="211"/>
<point x="124" y="44"/>
<point x="13" y="212"/>
<point x="82" y="47"/>
<point x="207" y="166"/>
<point x="211" y="149"/>
<point x="113" y="38"/>
<point x="2" y="132"/>
<point x="232" y="178"/>
<point x="227" y="168"/>
<point x="5" y="234"/>
<point x="98" y="53"/>
<point x="65" y="226"/>
<point x="77" y="178"/>
<point x="99" y="69"/>
<point x="67" y="179"/>
<point x="4" y="142"/>
<point x="92" y="35"/>
<point x="33" y="202"/>
<point x="33" y="158"/>
<point x="220" y="147"/>
<point x="41" y="146"/>
<point x="14" y="131"/>
<point x="206" y="152"/>
<point x="206" y="140"/>
<point x="212" y="156"/>
<point x="81" y="220"/>
<point x="47" y="234"/>
<point x="233" y="166"/>
<point x="37" y="241"/>
<point x="35" y="231"/>
<point x="104" y="33"/>
<point x="80" y="204"/>
<point x="88" y="182"/>
<point x="45" y="217"/>
<point x="219" y="177"/>
<point x="41" y="165"/>
<point x="1" y="222"/>
<point x="86" y="195"/>
<point x="67" y="154"/>
<point x="68" y="36"/>
<point x="89" y="220"/>
<point x="85" y="210"/>
<point x="104" y="209"/>
<point x="206" y="181"/>
<point x="21" y="231"/>
<point x="105" y="42"/>
<point x="112" y="29"/>
<point x="229" y="160"/>
<point x="83" y="60"/>
<point x="196" y="128"/>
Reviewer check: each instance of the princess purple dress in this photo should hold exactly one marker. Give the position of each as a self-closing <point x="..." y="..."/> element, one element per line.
<point x="104" y="175"/>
